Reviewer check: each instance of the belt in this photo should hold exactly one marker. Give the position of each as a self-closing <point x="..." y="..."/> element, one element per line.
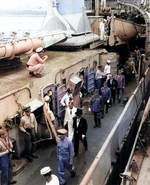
<point x="28" y="130"/>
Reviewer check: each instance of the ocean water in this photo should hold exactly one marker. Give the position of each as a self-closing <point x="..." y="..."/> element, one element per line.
<point x="21" y="23"/>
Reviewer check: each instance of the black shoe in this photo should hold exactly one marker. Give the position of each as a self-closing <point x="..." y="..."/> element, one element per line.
<point x="106" y="111"/>
<point x="73" y="173"/>
<point x="34" y="156"/>
<point x="94" y="126"/>
<point x="30" y="159"/>
<point x="75" y="155"/>
<point x="38" y="75"/>
<point x="12" y="182"/>
<point x="85" y="149"/>
<point x="31" y="73"/>
<point x="99" y="126"/>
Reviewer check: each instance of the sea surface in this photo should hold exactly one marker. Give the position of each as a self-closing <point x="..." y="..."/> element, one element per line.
<point x="21" y="23"/>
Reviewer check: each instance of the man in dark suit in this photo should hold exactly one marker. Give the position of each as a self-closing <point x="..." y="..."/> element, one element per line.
<point x="112" y="84"/>
<point x="80" y="129"/>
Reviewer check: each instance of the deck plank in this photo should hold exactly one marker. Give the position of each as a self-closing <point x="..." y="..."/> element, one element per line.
<point x="144" y="176"/>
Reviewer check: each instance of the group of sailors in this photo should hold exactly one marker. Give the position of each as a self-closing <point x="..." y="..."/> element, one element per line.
<point x="74" y="127"/>
<point x="104" y="78"/>
<point x="66" y="148"/>
<point x="105" y="92"/>
<point x="74" y="123"/>
<point x="68" y="134"/>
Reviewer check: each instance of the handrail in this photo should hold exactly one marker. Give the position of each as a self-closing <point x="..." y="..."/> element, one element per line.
<point x="88" y="176"/>
<point x="49" y="123"/>
<point x="145" y="114"/>
<point x="18" y="90"/>
<point x="93" y="166"/>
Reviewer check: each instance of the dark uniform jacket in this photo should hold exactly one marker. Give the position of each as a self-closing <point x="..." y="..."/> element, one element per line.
<point x="82" y="127"/>
<point x="113" y="85"/>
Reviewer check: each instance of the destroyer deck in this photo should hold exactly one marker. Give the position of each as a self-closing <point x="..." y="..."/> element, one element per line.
<point x="57" y="60"/>
<point x="95" y="136"/>
<point x="144" y="177"/>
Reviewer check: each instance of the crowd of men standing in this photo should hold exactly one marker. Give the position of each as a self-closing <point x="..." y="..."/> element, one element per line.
<point x="106" y="88"/>
<point x="73" y="129"/>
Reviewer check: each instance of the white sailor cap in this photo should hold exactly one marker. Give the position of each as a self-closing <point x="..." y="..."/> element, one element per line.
<point x="38" y="50"/>
<point x="108" y="61"/>
<point x="45" y="170"/>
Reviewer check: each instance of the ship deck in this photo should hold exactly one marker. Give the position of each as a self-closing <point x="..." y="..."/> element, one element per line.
<point x="57" y="60"/>
<point x="144" y="177"/>
<point x="95" y="136"/>
<point x="15" y="79"/>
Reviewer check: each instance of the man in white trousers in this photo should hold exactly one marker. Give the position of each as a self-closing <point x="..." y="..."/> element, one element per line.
<point x="102" y="29"/>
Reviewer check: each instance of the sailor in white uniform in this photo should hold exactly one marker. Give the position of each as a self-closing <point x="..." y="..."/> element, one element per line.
<point x="107" y="68"/>
<point x="103" y="3"/>
<point x="69" y="115"/>
<point x="66" y="98"/>
<point x="102" y="29"/>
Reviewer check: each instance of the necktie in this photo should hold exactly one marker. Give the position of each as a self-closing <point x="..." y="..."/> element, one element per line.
<point x="70" y="112"/>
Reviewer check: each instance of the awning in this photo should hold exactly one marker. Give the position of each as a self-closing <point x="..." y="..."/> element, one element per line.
<point x="34" y="104"/>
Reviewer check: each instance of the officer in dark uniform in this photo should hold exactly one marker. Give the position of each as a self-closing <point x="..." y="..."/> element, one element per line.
<point x="112" y="84"/>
